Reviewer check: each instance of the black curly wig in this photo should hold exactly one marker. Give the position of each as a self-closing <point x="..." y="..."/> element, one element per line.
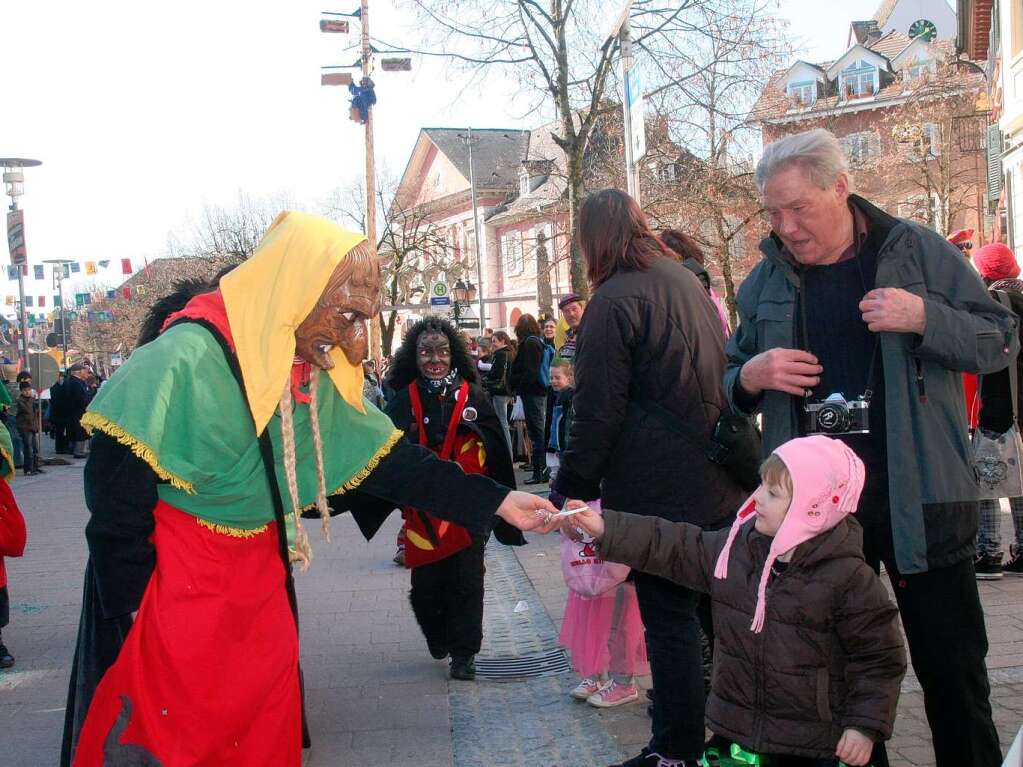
<point x="404" y="369"/>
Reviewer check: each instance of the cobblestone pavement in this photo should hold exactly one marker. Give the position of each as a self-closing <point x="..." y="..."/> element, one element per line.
<point x="374" y="695"/>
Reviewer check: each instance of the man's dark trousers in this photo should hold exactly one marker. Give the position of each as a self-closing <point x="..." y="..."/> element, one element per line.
<point x="669" y="613"/>
<point x="944" y="624"/>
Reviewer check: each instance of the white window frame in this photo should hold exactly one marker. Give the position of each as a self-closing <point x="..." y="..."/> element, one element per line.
<point x="861" y="73"/>
<point x="861" y="146"/>
<point x="512" y="257"/>
<point x="524" y="185"/>
<point x="803" y="93"/>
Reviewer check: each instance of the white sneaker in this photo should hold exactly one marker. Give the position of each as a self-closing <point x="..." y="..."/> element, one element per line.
<point x="588" y="687"/>
<point x="614" y="694"/>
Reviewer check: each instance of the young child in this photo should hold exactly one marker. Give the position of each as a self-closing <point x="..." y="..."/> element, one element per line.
<point x="603" y="634"/>
<point x="27" y="421"/>
<point x="808" y="656"/>
<point x="12" y="535"/>
<point x="563" y="383"/>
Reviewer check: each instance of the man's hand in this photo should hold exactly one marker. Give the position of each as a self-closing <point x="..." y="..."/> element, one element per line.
<point x="789" y="370"/>
<point x="854" y="748"/>
<point x="893" y="310"/>
<point x="525" y="510"/>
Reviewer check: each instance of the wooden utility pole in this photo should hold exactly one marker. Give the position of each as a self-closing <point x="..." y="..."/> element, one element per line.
<point x="371" y="185"/>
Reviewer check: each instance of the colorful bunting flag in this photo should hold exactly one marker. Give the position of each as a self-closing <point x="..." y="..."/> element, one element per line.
<point x="90" y="267"/>
<point x="111" y="294"/>
<point x="57" y="301"/>
<point x="42" y="302"/>
<point x="75" y="267"/>
<point x="24" y="270"/>
<point x="12" y="272"/>
<point x="28" y="300"/>
<point x="9" y="300"/>
<point x="126" y="292"/>
<point x="79" y="299"/>
<point x="126" y="265"/>
<point x="104" y="264"/>
<point x="67" y="269"/>
<point x="39" y="272"/>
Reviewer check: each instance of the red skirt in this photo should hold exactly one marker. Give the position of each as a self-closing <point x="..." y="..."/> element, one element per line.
<point x="209" y="672"/>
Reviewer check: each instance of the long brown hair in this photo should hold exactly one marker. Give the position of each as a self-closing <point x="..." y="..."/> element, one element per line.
<point x="614" y="236"/>
<point x="682" y="244"/>
<point x="526" y="326"/>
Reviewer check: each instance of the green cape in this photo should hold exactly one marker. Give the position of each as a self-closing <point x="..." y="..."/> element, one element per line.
<point x="178" y="406"/>
<point x="6" y="454"/>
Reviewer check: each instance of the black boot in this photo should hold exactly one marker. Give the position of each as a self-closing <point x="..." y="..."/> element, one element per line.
<point x="539" y="479"/>
<point x="6" y="659"/>
<point x="463" y="668"/>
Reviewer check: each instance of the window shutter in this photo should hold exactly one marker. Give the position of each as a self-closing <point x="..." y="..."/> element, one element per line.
<point x="994" y="163"/>
<point x="933" y="132"/>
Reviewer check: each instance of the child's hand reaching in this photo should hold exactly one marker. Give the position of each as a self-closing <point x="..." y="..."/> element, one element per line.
<point x="854" y="748"/>
<point x="588" y="521"/>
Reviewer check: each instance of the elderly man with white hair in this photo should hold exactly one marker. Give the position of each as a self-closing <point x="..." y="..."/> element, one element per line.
<point x="858" y="325"/>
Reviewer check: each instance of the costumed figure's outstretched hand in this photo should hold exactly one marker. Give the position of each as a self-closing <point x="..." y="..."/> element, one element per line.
<point x="526" y="511"/>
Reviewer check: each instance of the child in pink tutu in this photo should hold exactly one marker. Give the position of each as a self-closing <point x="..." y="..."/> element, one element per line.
<point x="603" y="635"/>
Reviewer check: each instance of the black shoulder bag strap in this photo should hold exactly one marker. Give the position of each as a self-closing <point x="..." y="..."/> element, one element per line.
<point x="269" y="466"/>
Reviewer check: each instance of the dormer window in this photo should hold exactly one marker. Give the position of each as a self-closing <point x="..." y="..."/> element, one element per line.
<point x="859" y="79"/>
<point x="803" y="94"/>
<point x="524" y="189"/>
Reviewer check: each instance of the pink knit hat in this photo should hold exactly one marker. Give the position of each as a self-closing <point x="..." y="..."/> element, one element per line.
<point x="827" y="478"/>
<point x="996" y="262"/>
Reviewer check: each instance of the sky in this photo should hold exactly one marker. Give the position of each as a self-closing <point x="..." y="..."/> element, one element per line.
<point x="142" y="112"/>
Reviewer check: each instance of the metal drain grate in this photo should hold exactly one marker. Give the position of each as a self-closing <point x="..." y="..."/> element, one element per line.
<point x="546" y="663"/>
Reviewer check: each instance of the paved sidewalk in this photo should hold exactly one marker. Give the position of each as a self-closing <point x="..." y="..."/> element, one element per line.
<point x="374" y="694"/>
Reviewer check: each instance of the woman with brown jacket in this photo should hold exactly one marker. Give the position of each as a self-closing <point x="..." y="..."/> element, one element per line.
<point x="808" y="658"/>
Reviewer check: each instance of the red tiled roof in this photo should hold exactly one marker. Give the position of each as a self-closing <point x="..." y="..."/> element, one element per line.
<point x="891" y="44"/>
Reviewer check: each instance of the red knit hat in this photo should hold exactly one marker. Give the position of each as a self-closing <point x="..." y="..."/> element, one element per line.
<point x="961" y="236"/>
<point x="996" y="262"/>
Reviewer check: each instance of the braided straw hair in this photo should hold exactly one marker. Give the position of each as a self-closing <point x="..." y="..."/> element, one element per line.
<point x="321" y="482"/>
<point x="303" y="553"/>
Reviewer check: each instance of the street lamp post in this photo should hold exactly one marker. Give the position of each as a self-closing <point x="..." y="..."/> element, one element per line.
<point x="476" y="226"/>
<point x="58" y="269"/>
<point x="14" y="184"/>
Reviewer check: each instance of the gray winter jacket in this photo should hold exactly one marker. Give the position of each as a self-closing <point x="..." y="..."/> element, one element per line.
<point x="932" y="487"/>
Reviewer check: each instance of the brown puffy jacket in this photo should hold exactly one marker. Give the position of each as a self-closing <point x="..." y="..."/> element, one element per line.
<point x="830" y="655"/>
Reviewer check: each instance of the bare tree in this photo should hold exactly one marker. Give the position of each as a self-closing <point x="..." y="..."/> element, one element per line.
<point x="557" y="51"/>
<point x="414" y="252"/>
<point x="932" y="149"/>
<point x="230" y="231"/>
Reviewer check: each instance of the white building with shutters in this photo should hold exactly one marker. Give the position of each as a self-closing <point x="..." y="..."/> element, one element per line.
<point x="904" y="107"/>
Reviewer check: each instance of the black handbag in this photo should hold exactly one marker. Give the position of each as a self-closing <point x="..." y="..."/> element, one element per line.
<point x="734" y="443"/>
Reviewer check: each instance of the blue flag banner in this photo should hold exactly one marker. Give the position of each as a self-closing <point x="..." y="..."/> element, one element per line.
<point x="12" y="272"/>
<point x="111" y="293"/>
<point x="88" y="298"/>
<point x="76" y="267"/>
<point x="104" y="264"/>
<point x="28" y="300"/>
<point x="37" y="270"/>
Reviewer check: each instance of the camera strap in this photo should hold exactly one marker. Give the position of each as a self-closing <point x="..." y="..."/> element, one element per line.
<point x="868" y="388"/>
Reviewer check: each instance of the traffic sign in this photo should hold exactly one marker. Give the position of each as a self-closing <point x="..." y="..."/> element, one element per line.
<point x="334" y="25"/>
<point x="440" y="300"/>
<point x="336" y="78"/>
<point x="16" y="237"/>
<point x="634" y="102"/>
<point x="396" y="65"/>
<point x="440" y="289"/>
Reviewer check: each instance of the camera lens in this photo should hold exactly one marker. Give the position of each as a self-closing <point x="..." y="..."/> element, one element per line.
<point x="833" y="418"/>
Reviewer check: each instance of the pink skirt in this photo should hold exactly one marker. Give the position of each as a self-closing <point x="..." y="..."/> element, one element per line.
<point x="605" y="634"/>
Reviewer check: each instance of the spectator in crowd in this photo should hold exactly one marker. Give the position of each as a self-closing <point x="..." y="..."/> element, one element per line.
<point x="496" y="379"/>
<point x="12" y="537"/>
<point x="371" y="388"/>
<point x="998" y="268"/>
<point x="550" y="329"/>
<point x="691" y="256"/>
<point x="859" y="324"/>
<point x="58" y="418"/>
<point x="8" y="396"/>
<point x="529" y="377"/>
<point x="77" y="394"/>
<point x="649" y="356"/>
<point x="572" y="308"/>
<point x="28" y="427"/>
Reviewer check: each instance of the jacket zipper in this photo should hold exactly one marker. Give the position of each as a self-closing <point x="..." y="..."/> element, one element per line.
<point x="920" y="388"/>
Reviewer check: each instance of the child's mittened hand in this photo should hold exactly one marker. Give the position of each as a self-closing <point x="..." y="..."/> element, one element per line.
<point x="854" y="748"/>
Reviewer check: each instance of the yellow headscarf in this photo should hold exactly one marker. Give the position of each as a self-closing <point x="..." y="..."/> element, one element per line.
<point x="268" y="297"/>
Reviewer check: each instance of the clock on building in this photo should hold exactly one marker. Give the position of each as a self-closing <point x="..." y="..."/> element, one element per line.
<point x="923" y="28"/>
